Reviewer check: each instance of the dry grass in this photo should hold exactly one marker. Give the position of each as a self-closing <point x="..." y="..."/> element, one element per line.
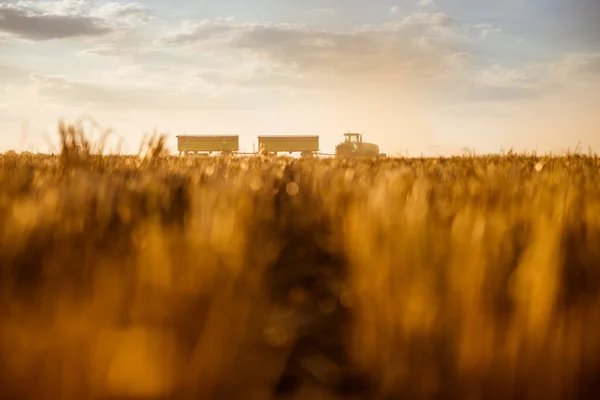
<point x="154" y="277"/>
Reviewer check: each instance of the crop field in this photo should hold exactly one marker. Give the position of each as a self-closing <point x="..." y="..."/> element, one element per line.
<point x="157" y="277"/>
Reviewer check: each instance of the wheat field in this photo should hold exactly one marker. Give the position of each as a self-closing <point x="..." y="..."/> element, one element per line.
<point x="160" y="277"/>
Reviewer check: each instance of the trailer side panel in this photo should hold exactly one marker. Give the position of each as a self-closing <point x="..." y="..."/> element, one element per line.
<point x="289" y="143"/>
<point x="208" y="143"/>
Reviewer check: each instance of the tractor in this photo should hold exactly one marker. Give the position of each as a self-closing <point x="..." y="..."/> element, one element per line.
<point x="354" y="147"/>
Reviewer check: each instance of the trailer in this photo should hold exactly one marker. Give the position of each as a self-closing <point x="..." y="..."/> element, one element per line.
<point x="207" y="144"/>
<point x="305" y="144"/>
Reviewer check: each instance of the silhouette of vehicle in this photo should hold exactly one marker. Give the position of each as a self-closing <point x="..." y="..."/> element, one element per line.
<point x="305" y="144"/>
<point x="207" y="144"/>
<point x="354" y="147"/>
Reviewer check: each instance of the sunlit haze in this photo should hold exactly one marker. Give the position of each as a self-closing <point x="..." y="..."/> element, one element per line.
<point x="428" y="76"/>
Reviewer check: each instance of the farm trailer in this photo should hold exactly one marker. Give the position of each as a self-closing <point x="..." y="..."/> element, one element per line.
<point x="307" y="145"/>
<point x="207" y="144"/>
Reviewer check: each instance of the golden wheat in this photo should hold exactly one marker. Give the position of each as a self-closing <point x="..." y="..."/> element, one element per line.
<point x="158" y="277"/>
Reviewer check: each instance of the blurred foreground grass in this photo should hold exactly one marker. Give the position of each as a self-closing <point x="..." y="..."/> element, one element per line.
<point x="157" y="277"/>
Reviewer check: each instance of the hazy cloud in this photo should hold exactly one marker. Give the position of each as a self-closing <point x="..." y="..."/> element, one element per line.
<point x="325" y="11"/>
<point x="11" y="74"/>
<point x="129" y="14"/>
<point x="117" y="50"/>
<point x="498" y="76"/>
<point x="260" y="77"/>
<point x="486" y="30"/>
<point x="581" y="65"/>
<point x="425" y="3"/>
<point x="415" y="46"/>
<point x="442" y="28"/>
<point x="566" y="76"/>
<point x="97" y="95"/>
<point x="503" y="93"/>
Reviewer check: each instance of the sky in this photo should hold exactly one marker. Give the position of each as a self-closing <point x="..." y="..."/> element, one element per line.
<point x="413" y="76"/>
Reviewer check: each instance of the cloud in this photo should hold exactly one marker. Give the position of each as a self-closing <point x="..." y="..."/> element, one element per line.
<point x="10" y="74"/>
<point x="256" y="78"/>
<point x="156" y="87"/>
<point x="584" y="66"/>
<point x="426" y="3"/>
<point x="503" y="94"/>
<point x="130" y="14"/>
<point x="59" y="89"/>
<point x="117" y="50"/>
<point x="324" y="11"/>
<point x="416" y="46"/>
<point x="20" y="22"/>
<point x="486" y="30"/>
<point x="442" y="28"/>
<point x="572" y="76"/>
<point x="505" y="85"/>
<point x="395" y="10"/>
<point x="68" y="19"/>
<point x="498" y="76"/>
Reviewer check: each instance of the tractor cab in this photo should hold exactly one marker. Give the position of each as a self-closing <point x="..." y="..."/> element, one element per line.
<point x="353" y="138"/>
<point x="353" y="146"/>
